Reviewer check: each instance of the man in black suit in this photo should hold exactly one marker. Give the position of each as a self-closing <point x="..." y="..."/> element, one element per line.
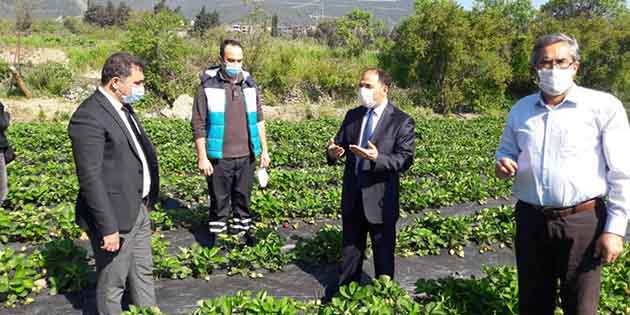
<point x="380" y="140"/>
<point x="117" y="169"/>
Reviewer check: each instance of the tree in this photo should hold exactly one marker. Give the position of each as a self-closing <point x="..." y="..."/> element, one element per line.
<point x="93" y="13"/>
<point x="24" y="22"/>
<point x="563" y="9"/>
<point x="520" y="12"/>
<point x="109" y="15"/>
<point x="151" y="37"/>
<point x="122" y="14"/>
<point x="452" y="59"/>
<point x="274" y="25"/>
<point x="161" y="6"/>
<point x="358" y="31"/>
<point x="205" y="21"/>
<point x="326" y="33"/>
<point x="23" y="18"/>
<point x="514" y="20"/>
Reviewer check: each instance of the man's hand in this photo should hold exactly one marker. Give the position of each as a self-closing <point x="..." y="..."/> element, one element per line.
<point x="265" y="160"/>
<point x="609" y="247"/>
<point x="334" y="149"/>
<point x="111" y="242"/>
<point x="506" y="168"/>
<point x="205" y="167"/>
<point x="369" y="153"/>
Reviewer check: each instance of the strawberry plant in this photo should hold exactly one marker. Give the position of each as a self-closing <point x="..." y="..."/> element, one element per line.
<point x="259" y="304"/>
<point x="323" y="248"/>
<point x="66" y="266"/>
<point x="18" y="274"/>
<point x="164" y="264"/>
<point x="136" y="310"/>
<point x="266" y="253"/>
<point x="202" y="260"/>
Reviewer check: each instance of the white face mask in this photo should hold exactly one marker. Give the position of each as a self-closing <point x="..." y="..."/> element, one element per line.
<point x="555" y="81"/>
<point x="367" y="97"/>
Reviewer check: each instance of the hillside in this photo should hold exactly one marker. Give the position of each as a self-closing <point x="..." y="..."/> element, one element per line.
<point x="289" y="11"/>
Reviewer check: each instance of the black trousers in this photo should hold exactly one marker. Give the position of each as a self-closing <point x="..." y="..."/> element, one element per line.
<point x="551" y="251"/>
<point x="229" y="188"/>
<point x="354" y="238"/>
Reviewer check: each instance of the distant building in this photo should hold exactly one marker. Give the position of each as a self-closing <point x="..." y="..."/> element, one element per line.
<point x="241" y="28"/>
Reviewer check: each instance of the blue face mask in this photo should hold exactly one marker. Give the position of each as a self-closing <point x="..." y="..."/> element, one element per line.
<point x="136" y="94"/>
<point x="232" y="71"/>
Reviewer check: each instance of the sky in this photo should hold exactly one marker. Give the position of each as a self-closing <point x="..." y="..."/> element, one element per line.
<point x="468" y="3"/>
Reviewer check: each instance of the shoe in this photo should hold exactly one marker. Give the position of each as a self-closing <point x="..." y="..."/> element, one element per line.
<point x="250" y="238"/>
<point x="212" y="239"/>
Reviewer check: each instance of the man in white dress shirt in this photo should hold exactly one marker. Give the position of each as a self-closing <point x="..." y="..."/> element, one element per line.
<point x="117" y="168"/>
<point x="566" y="148"/>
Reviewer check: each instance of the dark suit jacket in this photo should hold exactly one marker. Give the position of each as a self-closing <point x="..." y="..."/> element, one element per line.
<point x="108" y="167"/>
<point x="394" y="137"/>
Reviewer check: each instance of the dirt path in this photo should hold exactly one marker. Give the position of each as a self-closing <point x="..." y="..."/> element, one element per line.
<point x="38" y="109"/>
<point x="34" y="55"/>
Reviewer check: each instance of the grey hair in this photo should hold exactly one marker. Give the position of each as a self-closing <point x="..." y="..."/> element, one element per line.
<point x="551" y="39"/>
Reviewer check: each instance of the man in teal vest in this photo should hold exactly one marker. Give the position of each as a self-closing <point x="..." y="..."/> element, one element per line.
<point x="229" y="132"/>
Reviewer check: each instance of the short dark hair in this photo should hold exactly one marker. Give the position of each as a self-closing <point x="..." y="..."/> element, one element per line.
<point x="383" y="77"/>
<point x="119" y="65"/>
<point x="228" y="42"/>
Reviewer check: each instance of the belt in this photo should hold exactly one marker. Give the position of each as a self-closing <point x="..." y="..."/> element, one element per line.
<point x="555" y="212"/>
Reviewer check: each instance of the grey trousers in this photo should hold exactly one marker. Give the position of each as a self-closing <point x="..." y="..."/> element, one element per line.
<point x="4" y="187"/>
<point x="131" y="267"/>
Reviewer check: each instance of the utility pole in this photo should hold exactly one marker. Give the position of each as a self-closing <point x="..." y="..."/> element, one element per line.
<point x="322" y="8"/>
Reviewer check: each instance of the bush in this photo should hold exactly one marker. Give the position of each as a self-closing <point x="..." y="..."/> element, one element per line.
<point x="47" y="26"/>
<point x="5" y="73"/>
<point x="153" y="38"/>
<point x="311" y="68"/>
<point x="92" y="57"/>
<point x="50" y="78"/>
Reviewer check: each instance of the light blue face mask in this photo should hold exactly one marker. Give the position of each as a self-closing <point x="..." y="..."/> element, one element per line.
<point x="232" y="71"/>
<point x="137" y="92"/>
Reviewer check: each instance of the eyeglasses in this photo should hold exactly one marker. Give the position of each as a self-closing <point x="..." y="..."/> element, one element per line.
<point x="555" y="63"/>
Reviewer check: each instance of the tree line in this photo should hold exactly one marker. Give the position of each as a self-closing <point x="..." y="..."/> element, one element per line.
<point x="478" y="60"/>
<point x="443" y="56"/>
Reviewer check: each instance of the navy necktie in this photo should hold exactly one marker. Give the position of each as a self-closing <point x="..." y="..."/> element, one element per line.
<point x="367" y="133"/>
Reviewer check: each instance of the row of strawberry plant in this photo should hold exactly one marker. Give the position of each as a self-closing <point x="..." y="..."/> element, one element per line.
<point x="430" y="234"/>
<point x="493" y="293"/>
<point x="61" y="266"/>
<point x="453" y="162"/>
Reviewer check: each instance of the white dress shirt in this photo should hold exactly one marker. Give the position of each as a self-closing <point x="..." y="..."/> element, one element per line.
<point x="572" y="152"/>
<point x="146" y="176"/>
<point x="377" y="113"/>
<point x="376" y="116"/>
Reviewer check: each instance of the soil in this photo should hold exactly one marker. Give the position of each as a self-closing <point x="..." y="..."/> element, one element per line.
<point x="304" y="282"/>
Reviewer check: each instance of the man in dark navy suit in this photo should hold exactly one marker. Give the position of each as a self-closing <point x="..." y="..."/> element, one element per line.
<point x="378" y="141"/>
